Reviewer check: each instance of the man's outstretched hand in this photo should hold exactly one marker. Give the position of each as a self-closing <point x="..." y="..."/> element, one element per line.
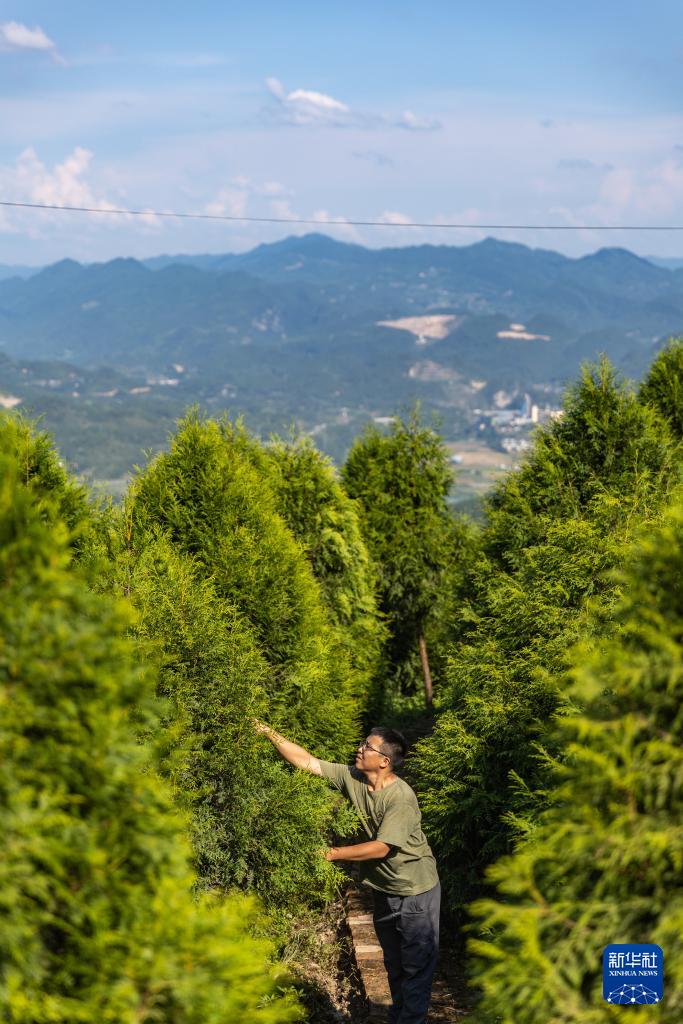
<point x="291" y="752"/>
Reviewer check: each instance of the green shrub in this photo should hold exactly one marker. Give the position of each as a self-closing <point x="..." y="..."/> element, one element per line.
<point x="604" y="863"/>
<point x="256" y="823"/>
<point x="400" y="481"/>
<point x="605" y="444"/>
<point x="325" y="521"/>
<point x="215" y="506"/>
<point x="97" y="922"/>
<point x="229" y="606"/>
<point x="663" y="386"/>
<point x="42" y="472"/>
<point x="555" y="527"/>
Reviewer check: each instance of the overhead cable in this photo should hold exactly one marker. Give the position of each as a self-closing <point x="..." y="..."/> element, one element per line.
<point x="339" y="222"/>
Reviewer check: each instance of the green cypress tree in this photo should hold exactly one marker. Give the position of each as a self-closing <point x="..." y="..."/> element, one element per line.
<point x="401" y="480"/>
<point x="255" y="823"/>
<point x="211" y="503"/>
<point x="663" y="385"/>
<point x="555" y="527"/>
<point x="325" y="522"/>
<point x="97" y="920"/>
<point x="604" y="863"/>
<point x="43" y="473"/>
<point x="604" y="444"/>
<point x="228" y="601"/>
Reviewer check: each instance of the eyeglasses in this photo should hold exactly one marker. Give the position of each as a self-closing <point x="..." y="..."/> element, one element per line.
<point x="366" y="746"/>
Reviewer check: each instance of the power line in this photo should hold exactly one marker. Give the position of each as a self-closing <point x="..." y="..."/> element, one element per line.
<point x="345" y="223"/>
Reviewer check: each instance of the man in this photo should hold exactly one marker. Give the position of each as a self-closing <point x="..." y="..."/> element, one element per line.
<point x="395" y="862"/>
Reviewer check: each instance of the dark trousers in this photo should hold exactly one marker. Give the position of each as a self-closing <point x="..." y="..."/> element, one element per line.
<point x="408" y="931"/>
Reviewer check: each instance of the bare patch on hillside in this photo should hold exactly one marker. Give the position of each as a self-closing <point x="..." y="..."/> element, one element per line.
<point x="425" y="328"/>
<point x="9" y="401"/>
<point x="519" y="331"/>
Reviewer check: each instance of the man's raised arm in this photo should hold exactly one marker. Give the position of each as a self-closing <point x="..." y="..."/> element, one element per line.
<point x="291" y="752"/>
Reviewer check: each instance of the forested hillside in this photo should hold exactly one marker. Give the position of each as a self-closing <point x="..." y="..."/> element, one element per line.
<point x="159" y="856"/>
<point x="318" y="333"/>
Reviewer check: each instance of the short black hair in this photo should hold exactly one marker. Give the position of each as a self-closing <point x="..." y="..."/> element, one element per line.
<point x="394" y="744"/>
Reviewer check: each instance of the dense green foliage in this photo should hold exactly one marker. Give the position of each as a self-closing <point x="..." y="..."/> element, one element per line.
<point x="605" y="446"/>
<point x="42" y="473"/>
<point x="663" y="385"/>
<point x="255" y="823"/>
<point x="400" y="480"/>
<point x="604" y="862"/>
<point x="229" y="602"/>
<point x="261" y="585"/>
<point x="325" y="521"/>
<point x="98" y="921"/>
<point x="211" y="503"/>
<point x="554" y="528"/>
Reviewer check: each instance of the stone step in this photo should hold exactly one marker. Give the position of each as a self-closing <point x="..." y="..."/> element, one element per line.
<point x="368" y="954"/>
<point x="445" y="1007"/>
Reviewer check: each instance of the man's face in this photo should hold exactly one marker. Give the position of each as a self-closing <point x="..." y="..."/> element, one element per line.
<point x="369" y="756"/>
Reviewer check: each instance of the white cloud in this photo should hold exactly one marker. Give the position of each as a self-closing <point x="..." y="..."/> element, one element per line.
<point x="276" y="88"/>
<point x="628" y="194"/>
<point x="395" y="217"/>
<point x="426" y="233"/>
<point x="656" y="192"/>
<point x="319" y="101"/>
<point x="15" y="36"/>
<point x="413" y="123"/>
<point x="335" y="224"/>
<point x="282" y="209"/>
<point x="305" y="107"/>
<point x="28" y="180"/>
<point x="21" y="37"/>
<point x="65" y="185"/>
<point x="233" y="199"/>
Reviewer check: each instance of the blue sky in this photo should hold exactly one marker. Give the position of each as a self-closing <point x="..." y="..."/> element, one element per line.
<point x="443" y="111"/>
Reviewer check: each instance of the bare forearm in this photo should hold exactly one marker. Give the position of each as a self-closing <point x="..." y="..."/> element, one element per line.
<point x="374" y="850"/>
<point x="291" y="752"/>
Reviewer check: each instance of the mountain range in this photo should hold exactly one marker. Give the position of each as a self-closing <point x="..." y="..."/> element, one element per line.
<point x="319" y="333"/>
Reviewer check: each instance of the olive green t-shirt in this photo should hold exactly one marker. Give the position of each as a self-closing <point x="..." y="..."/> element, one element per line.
<point x="392" y="816"/>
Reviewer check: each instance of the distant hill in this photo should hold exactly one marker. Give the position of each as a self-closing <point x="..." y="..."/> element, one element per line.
<point x="16" y="270"/>
<point x="667" y="263"/>
<point x="316" y="289"/>
<point x="325" y="334"/>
